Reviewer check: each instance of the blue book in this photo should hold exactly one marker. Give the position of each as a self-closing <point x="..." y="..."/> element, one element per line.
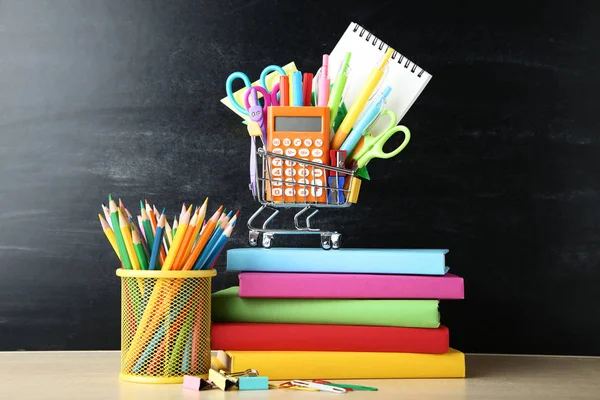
<point x="351" y="261"/>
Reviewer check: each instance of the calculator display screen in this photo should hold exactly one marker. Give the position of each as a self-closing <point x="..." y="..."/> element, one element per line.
<point x="298" y="124"/>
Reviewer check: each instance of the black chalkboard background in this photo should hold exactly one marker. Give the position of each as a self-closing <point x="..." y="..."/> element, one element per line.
<point x="122" y="97"/>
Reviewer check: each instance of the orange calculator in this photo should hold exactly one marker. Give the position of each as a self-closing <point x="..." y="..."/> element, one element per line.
<point x="301" y="133"/>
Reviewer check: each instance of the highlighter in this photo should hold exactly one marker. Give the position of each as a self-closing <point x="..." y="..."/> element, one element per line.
<point x="360" y="101"/>
<point x="337" y="90"/>
<point x="296" y="99"/>
<point x="324" y="82"/>
<point x="367" y="117"/>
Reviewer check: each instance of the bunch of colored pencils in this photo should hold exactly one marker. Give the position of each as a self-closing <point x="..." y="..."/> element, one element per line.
<point x="189" y="244"/>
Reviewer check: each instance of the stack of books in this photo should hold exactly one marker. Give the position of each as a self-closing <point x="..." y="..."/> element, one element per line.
<point x="344" y="314"/>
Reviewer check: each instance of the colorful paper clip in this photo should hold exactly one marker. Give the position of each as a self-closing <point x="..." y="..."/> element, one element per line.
<point x="228" y="380"/>
<point x="318" y="386"/>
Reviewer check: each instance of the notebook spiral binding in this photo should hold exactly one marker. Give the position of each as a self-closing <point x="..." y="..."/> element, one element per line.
<point x="383" y="46"/>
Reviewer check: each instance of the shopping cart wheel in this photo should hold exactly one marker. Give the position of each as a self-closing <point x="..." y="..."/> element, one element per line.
<point x="253" y="238"/>
<point x="267" y="240"/>
<point x="336" y="239"/>
<point x="326" y="241"/>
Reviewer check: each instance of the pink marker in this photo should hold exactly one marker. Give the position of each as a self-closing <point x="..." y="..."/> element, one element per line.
<point x="324" y="83"/>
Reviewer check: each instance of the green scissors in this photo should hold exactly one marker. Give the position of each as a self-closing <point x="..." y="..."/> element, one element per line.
<point x="373" y="145"/>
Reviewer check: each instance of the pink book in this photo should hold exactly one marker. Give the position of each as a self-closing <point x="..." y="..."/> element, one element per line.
<point x="350" y="286"/>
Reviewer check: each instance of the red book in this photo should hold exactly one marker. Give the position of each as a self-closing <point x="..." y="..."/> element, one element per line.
<point x="304" y="337"/>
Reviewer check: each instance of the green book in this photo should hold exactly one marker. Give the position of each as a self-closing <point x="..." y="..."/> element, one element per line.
<point x="227" y="306"/>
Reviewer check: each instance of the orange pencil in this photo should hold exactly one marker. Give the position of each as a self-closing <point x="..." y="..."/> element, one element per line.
<point x="200" y="222"/>
<point x="177" y="240"/>
<point x="210" y="226"/>
<point x="189" y="232"/>
<point x="151" y="216"/>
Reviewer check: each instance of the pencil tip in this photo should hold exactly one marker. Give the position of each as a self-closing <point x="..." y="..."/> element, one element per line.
<point x="163" y="211"/>
<point x="109" y="197"/>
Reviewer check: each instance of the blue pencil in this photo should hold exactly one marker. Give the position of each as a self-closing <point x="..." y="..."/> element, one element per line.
<point x="216" y="250"/>
<point x="297" y="89"/>
<point x="160" y="226"/>
<point x="212" y="241"/>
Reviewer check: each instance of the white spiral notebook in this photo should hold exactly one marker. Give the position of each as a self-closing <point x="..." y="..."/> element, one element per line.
<point x="406" y="79"/>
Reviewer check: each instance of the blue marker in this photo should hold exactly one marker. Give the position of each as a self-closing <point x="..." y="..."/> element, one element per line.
<point x="297" y="89"/>
<point x="364" y="121"/>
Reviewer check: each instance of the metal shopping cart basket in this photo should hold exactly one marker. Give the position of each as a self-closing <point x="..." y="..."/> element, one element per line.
<point x="307" y="196"/>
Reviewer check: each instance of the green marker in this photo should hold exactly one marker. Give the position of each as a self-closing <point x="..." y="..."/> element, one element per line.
<point x="337" y="90"/>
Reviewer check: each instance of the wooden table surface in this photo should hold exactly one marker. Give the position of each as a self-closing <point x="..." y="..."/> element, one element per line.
<point x="94" y="375"/>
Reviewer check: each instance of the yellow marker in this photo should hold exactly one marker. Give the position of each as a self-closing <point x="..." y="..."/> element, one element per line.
<point x="360" y="101"/>
<point x="126" y="232"/>
<point x="110" y="235"/>
<point x="183" y="224"/>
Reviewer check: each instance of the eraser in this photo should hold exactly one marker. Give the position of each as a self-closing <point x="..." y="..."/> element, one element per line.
<point x="253" y="383"/>
<point x="196" y="383"/>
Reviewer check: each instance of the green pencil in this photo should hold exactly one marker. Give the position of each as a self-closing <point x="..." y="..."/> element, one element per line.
<point x="147" y="229"/>
<point x="114" y="217"/>
<point x="139" y="250"/>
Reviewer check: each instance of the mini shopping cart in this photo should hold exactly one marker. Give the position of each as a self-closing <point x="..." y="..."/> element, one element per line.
<point x="335" y="197"/>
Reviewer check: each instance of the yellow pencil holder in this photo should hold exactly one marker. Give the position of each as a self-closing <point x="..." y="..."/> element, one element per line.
<point x="165" y="325"/>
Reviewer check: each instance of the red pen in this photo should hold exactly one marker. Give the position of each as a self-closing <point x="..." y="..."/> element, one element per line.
<point x="307" y="88"/>
<point x="284" y="91"/>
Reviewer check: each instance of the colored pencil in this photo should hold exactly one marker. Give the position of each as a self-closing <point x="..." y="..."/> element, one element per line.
<point x="177" y="239"/>
<point x="110" y="235"/>
<point x="152" y="216"/>
<point x="141" y="227"/>
<point x="114" y="216"/>
<point x="146" y="228"/>
<point x="168" y="237"/>
<point x="106" y="212"/>
<point x="139" y="250"/>
<point x="157" y="242"/>
<point x="200" y="222"/>
<point x="189" y="232"/>
<point x="175" y="226"/>
<point x="215" y="235"/>
<point x="164" y="248"/>
<point x="126" y="234"/>
<point x="134" y="227"/>
<point x="214" y="254"/>
<point x="191" y="260"/>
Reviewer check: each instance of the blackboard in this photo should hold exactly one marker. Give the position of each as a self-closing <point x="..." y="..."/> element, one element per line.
<point x="122" y="97"/>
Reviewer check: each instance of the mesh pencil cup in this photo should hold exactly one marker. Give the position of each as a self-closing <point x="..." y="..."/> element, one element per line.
<point x="165" y="325"/>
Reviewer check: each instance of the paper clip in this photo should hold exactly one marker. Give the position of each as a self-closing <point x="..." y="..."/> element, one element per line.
<point x="318" y="386"/>
<point x="221" y="380"/>
<point x="228" y="380"/>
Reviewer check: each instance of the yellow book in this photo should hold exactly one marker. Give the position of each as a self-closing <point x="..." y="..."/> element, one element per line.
<point x="288" y="365"/>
